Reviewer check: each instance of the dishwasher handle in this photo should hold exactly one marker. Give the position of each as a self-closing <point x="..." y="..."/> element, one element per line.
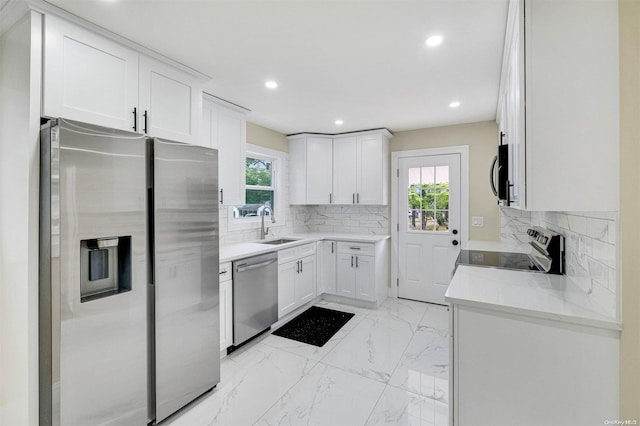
<point x="248" y="266"/>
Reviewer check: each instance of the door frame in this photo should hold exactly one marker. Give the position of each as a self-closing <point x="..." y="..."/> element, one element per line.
<point x="463" y="150"/>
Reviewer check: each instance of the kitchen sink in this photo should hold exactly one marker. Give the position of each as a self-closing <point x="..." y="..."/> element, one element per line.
<point x="278" y="241"/>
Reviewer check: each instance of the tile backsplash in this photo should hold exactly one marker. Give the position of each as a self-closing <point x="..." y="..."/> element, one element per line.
<point x="590" y="248"/>
<point x="370" y="220"/>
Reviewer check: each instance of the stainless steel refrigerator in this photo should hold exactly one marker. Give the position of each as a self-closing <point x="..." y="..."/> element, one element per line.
<point x="129" y="318"/>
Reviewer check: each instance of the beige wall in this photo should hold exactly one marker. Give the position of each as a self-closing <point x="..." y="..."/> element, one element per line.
<point x="482" y="140"/>
<point x="258" y="135"/>
<point x="630" y="207"/>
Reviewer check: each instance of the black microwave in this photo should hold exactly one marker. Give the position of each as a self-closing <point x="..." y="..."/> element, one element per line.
<point x="499" y="178"/>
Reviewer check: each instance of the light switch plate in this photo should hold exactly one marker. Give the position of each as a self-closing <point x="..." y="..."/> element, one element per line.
<point x="477" y="221"/>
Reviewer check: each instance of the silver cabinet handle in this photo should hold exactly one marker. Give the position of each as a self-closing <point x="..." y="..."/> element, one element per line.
<point x="352" y="261"/>
<point x="331" y="246"/>
<point x="358" y="198"/>
<point x="353" y="198"/>
<point x="330" y="198"/>
<point x="246" y="267"/>
<point x="356" y="261"/>
<point x="301" y="268"/>
<point x="223" y="272"/>
<point x="355" y="248"/>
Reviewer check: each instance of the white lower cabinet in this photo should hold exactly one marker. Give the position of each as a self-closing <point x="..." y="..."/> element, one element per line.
<point x="296" y="277"/>
<point x="356" y="276"/>
<point x="362" y="270"/>
<point x="327" y="264"/>
<point x="523" y="370"/>
<point x="226" y="306"/>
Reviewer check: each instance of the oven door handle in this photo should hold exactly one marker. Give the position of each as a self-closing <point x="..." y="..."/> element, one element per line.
<point x="492" y="175"/>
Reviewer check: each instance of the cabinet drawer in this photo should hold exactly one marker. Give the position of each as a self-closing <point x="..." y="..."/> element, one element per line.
<point x="356" y="248"/>
<point x="295" y="253"/>
<point x="225" y="272"/>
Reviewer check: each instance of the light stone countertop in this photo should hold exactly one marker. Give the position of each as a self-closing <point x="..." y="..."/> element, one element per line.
<point x="533" y="294"/>
<point x="232" y="252"/>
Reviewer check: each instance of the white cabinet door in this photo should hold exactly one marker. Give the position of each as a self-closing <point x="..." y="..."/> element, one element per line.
<point x="226" y="314"/>
<point x="170" y="102"/>
<point x="327" y="261"/>
<point x="346" y="279"/>
<point x="209" y="134"/>
<point x="365" y="278"/>
<point x="306" y="281"/>
<point x="319" y="165"/>
<point x="344" y="170"/>
<point x="232" y="141"/>
<point x="226" y="306"/>
<point x="88" y="77"/>
<point x="286" y="288"/>
<point x="370" y="168"/>
<point x="224" y="129"/>
<point x="298" y="171"/>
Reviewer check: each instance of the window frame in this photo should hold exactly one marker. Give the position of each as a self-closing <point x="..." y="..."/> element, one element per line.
<point x="278" y="163"/>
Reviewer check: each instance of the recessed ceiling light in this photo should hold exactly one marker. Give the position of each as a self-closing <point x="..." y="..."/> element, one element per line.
<point x="339" y="122"/>
<point x="271" y="84"/>
<point x="433" y="40"/>
<point x="454" y="104"/>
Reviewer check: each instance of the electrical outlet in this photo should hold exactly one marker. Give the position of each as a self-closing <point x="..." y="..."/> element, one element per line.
<point x="477" y="221"/>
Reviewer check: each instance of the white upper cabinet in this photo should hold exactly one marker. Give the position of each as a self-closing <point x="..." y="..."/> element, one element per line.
<point x="170" y="102"/>
<point x="91" y="78"/>
<point x="559" y="105"/>
<point x="311" y="160"/>
<point x="343" y="169"/>
<point x="373" y="169"/>
<point x="345" y="173"/>
<point x="361" y="168"/>
<point x="319" y="165"/>
<point x="225" y="129"/>
<point x="88" y="78"/>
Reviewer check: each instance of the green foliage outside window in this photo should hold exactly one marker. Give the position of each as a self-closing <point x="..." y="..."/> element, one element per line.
<point x="258" y="172"/>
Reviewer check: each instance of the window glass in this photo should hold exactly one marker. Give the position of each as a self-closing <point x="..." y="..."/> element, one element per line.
<point x="260" y="189"/>
<point x="428" y="199"/>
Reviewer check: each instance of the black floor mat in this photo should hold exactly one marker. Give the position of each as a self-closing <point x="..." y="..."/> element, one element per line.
<point x="314" y="326"/>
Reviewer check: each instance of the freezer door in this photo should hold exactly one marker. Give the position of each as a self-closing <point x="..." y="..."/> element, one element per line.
<point x="185" y="212"/>
<point x="93" y="353"/>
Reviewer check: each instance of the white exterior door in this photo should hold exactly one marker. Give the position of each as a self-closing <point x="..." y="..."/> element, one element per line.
<point x="429" y="209"/>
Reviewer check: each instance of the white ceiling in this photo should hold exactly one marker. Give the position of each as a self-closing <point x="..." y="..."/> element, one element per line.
<point x="364" y="62"/>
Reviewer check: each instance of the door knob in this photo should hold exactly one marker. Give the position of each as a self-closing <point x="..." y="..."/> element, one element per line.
<point x="454" y="242"/>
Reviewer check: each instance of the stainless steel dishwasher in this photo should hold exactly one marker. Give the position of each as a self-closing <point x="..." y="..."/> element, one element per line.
<point x="255" y="295"/>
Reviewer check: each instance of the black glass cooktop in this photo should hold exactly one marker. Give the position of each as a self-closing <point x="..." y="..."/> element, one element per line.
<point x="495" y="259"/>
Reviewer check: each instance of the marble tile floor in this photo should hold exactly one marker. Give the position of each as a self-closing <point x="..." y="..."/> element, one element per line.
<point x="388" y="366"/>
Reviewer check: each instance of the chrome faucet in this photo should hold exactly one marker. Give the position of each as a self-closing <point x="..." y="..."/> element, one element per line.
<point x="264" y="232"/>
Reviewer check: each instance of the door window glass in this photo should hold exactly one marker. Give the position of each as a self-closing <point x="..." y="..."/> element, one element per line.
<point x="428" y="199"/>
